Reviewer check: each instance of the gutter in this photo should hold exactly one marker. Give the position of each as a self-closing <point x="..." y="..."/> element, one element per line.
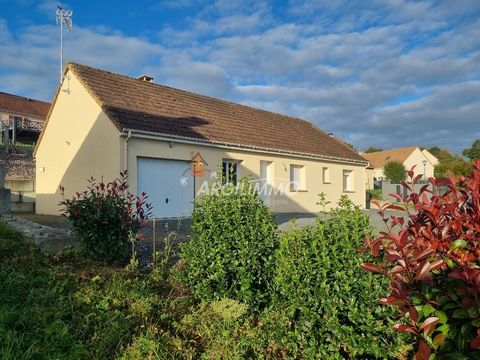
<point x="125" y="150"/>
<point x="129" y="133"/>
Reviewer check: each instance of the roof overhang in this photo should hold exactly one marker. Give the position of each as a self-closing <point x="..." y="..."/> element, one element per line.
<point x="231" y="146"/>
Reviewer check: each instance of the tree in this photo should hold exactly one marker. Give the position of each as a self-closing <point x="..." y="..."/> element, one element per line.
<point x="455" y="166"/>
<point x="449" y="164"/>
<point x="373" y="149"/>
<point x="473" y="153"/>
<point x="395" y="171"/>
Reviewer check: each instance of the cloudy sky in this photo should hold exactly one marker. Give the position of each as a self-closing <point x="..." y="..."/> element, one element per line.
<point x="387" y="73"/>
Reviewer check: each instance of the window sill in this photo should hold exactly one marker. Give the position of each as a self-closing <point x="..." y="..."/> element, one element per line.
<point x="292" y="190"/>
<point x="326" y="182"/>
<point x="348" y="191"/>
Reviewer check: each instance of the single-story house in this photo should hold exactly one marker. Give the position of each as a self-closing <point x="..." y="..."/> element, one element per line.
<point x="423" y="161"/>
<point x="102" y="123"/>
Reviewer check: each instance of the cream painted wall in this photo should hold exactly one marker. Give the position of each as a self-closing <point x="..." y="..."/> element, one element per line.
<point x="369" y="178"/>
<point x="430" y="157"/>
<point x="78" y="141"/>
<point x="288" y="201"/>
<point x="417" y="157"/>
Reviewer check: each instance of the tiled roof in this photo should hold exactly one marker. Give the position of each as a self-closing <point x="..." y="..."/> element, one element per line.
<point x="147" y="107"/>
<point x="19" y="168"/>
<point x="23" y="106"/>
<point x="380" y="158"/>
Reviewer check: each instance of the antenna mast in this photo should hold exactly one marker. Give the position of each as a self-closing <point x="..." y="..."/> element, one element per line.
<point x="64" y="17"/>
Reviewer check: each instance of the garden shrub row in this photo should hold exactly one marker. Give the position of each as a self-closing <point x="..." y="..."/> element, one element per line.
<point x="305" y="285"/>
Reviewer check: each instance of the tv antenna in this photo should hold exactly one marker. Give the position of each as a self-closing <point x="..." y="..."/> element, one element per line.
<point x="64" y="18"/>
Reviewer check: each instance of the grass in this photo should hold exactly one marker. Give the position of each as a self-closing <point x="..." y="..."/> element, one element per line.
<point x="70" y="307"/>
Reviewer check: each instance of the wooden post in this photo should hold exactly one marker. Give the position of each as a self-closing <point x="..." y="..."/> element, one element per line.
<point x="154" y="255"/>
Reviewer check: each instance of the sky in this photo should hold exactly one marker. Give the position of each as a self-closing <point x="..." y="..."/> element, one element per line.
<point x="388" y="73"/>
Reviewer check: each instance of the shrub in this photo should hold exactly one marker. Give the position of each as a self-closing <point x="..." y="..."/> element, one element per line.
<point x="230" y="250"/>
<point x="376" y="194"/>
<point x="327" y="304"/>
<point x="106" y="216"/>
<point x="395" y="171"/>
<point x="323" y="202"/>
<point x="432" y="259"/>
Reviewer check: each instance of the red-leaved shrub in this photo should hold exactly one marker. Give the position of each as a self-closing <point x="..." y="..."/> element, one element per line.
<point x="106" y="217"/>
<point x="431" y="254"/>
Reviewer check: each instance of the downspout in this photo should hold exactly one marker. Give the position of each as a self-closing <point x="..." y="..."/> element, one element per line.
<point x="125" y="151"/>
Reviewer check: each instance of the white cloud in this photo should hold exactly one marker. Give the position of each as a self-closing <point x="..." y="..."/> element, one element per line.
<point x="345" y="65"/>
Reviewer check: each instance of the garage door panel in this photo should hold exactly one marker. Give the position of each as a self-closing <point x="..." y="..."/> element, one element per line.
<point x="168" y="184"/>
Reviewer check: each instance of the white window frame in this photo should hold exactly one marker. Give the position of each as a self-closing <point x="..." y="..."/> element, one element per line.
<point x="348" y="181"/>
<point x="297" y="184"/>
<point x="326" y="175"/>
<point x="226" y="176"/>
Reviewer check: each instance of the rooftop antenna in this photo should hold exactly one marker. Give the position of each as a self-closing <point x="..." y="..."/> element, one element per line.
<point x="64" y="17"/>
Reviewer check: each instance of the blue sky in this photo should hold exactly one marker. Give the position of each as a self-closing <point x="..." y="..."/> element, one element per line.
<point x="376" y="73"/>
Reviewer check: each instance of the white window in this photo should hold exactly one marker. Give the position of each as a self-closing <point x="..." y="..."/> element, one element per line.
<point x="229" y="171"/>
<point x="297" y="178"/>
<point x="347" y="180"/>
<point x="326" y="175"/>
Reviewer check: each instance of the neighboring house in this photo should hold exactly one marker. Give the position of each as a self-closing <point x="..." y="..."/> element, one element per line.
<point x="101" y="123"/>
<point x="22" y="117"/>
<point x="20" y="179"/>
<point x="423" y="161"/>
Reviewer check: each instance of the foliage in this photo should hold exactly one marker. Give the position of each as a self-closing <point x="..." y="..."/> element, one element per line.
<point x="323" y="303"/>
<point x="221" y="328"/>
<point x="373" y="149"/>
<point x="473" y="152"/>
<point x="448" y="163"/>
<point x="455" y="166"/>
<point x="376" y="194"/>
<point x="67" y="307"/>
<point x="163" y="259"/>
<point x="323" y="202"/>
<point x="432" y="259"/>
<point x="230" y="250"/>
<point x="395" y="171"/>
<point x="106" y="216"/>
<point x="73" y="307"/>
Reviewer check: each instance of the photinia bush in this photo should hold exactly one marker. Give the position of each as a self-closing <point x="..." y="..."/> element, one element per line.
<point x="106" y="216"/>
<point x="432" y="256"/>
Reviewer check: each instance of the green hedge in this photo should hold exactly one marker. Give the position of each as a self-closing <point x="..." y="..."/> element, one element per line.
<point x="325" y="297"/>
<point x="230" y="250"/>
